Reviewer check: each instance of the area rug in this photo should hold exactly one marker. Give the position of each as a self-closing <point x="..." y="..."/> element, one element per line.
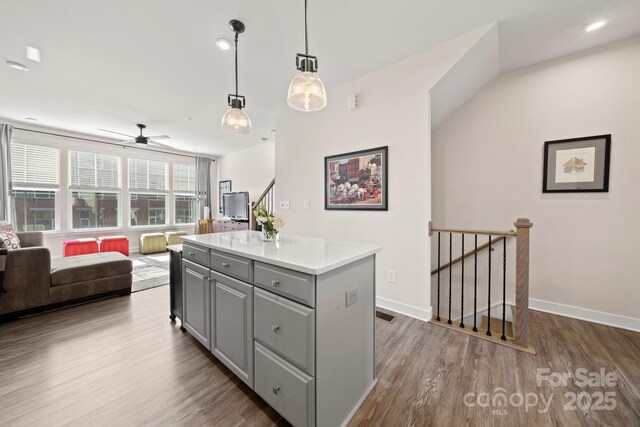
<point x="149" y="271"/>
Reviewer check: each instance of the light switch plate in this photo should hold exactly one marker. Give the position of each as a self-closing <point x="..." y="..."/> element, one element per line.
<point x="306" y="204"/>
<point x="391" y="276"/>
<point x="284" y="204"/>
<point x="351" y="297"/>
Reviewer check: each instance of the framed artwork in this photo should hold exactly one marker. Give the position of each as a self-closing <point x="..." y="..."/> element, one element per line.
<point x="223" y="187"/>
<point x="357" y="181"/>
<point x="577" y="165"/>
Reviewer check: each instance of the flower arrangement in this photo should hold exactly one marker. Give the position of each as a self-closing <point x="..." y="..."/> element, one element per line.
<point x="270" y="223"/>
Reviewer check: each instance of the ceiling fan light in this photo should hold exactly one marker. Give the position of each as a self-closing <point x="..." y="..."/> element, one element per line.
<point x="307" y="93"/>
<point x="236" y="121"/>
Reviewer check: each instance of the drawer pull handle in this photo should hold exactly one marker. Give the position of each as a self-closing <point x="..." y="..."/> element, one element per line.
<point x="192" y="254"/>
<point x="275" y="329"/>
<point x="225" y="264"/>
<point x="276" y="389"/>
<point x="275" y="283"/>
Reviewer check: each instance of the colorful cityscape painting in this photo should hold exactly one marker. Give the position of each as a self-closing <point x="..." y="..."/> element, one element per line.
<point x="357" y="181"/>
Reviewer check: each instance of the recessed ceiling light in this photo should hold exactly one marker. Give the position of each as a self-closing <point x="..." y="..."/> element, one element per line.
<point x="17" y="66"/>
<point x="272" y="131"/>
<point x="595" y="26"/>
<point x="33" y="54"/>
<point x="223" y="43"/>
<point x="189" y="119"/>
<point x="264" y="139"/>
<point x="31" y="118"/>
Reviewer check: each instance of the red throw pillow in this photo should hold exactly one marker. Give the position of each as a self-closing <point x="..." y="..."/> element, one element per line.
<point x="9" y="237"/>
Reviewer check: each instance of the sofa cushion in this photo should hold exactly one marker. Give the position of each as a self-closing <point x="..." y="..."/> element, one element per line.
<point x="83" y="268"/>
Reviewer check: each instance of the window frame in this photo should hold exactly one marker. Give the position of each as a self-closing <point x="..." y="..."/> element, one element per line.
<point x="93" y="189"/>
<point x="63" y="200"/>
<point x="25" y="186"/>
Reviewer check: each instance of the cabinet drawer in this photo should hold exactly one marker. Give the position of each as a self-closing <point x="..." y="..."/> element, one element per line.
<point x="292" y="284"/>
<point x="235" y="266"/>
<point x="286" y="327"/>
<point x="284" y="387"/>
<point x="195" y="254"/>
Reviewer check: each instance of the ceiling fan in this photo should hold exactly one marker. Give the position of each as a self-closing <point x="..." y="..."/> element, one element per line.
<point x="141" y="139"/>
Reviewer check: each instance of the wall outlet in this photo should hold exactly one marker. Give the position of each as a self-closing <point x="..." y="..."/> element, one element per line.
<point x="284" y="204"/>
<point x="306" y="204"/>
<point x="391" y="276"/>
<point x="351" y="297"/>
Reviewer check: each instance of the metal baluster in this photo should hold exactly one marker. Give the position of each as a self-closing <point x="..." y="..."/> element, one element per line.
<point x="438" y="308"/>
<point x="462" y="288"/>
<point x="504" y="287"/>
<point x="450" y="269"/>
<point x="475" y="282"/>
<point x="489" y="294"/>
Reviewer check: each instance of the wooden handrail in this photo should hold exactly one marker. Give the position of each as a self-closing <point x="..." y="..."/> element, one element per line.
<point x="508" y="233"/>
<point x="264" y="193"/>
<point x="466" y="255"/>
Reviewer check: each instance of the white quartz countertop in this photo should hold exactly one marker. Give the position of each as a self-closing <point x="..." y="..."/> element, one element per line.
<point x="305" y="254"/>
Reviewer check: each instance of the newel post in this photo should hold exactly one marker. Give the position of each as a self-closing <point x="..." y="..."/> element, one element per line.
<point x="522" y="281"/>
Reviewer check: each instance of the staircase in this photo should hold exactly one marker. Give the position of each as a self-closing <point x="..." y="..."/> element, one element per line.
<point x="490" y="322"/>
<point x="267" y="198"/>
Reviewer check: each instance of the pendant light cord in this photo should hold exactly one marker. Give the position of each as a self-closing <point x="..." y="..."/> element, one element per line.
<point x="306" y="39"/>
<point x="236" y="39"/>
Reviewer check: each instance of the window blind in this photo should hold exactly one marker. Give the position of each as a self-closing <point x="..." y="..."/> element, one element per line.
<point x="93" y="171"/>
<point x="147" y="175"/>
<point x="34" y="166"/>
<point x="184" y="178"/>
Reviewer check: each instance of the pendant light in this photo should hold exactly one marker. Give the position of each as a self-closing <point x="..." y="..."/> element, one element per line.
<point x="306" y="92"/>
<point x="235" y="120"/>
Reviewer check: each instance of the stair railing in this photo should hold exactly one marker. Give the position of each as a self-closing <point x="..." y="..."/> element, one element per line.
<point x="520" y="338"/>
<point x="267" y="199"/>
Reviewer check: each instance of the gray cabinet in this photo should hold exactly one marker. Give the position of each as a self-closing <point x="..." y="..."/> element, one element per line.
<point x="293" y="337"/>
<point x="196" y="301"/>
<point x="232" y="324"/>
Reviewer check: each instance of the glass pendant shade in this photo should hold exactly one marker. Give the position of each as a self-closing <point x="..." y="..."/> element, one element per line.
<point x="307" y="93"/>
<point x="236" y="121"/>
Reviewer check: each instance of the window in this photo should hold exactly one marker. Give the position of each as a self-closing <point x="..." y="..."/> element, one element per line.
<point x="148" y="187"/>
<point x="184" y="187"/>
<point x="35" y="174"/>
<point x="94" y="210"/>
<point x="94" y="180"/>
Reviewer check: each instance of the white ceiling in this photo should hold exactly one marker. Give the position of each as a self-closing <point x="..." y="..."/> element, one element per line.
<point x="111" y="64"/>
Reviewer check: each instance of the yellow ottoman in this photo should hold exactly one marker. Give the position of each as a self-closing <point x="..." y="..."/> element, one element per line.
<point x="173" y="237"/>
<point x="152" y="242"/>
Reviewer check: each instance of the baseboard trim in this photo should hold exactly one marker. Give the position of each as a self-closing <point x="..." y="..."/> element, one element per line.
<point x="408" y="310"/>
<point x="580" y="313"/>
<point x="360" y="402"/>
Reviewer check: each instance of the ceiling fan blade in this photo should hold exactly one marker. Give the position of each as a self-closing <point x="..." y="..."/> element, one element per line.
<point x="159" y="137"/>
<point x="128" y="141"/>
<point x="117" y="133"/>
<point x="159" y="145"/>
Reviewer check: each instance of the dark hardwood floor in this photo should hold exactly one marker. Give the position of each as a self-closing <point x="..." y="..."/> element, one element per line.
<point x="122" y="362"/>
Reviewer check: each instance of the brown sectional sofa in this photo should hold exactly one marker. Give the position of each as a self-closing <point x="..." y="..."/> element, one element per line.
<point x="33" y="282"/>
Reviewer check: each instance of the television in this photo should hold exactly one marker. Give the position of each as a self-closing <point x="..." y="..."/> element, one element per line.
<point x="236" y="205"/>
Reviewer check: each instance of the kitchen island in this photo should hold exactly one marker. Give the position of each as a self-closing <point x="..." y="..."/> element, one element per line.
<point x="293" y="319"/>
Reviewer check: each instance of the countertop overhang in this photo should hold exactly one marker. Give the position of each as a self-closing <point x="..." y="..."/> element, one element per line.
<point x="305" y="254"/>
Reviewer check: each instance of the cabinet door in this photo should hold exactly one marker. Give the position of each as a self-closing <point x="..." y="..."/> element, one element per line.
<point x="232" y="325"/>
<point x="196" y="316"/>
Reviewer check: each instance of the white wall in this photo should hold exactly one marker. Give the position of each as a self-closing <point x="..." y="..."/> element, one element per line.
<point x="487" y="171"/>
<point x="251" y="169"/>
<point x="393" y="110"/>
